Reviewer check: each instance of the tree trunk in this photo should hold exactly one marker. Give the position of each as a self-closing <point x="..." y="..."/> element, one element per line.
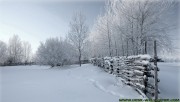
<point x="79" y="57"/>
<point x="122" y="45"/>
<point x="109" y="43"/>
<point x="116" y="48"/>
<point x="145" y="48"/>
<point x="127" y="53"/>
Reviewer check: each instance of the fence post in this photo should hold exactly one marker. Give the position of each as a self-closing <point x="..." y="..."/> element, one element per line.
<point x="155" y="71"/>
<point x="145" y="81"/>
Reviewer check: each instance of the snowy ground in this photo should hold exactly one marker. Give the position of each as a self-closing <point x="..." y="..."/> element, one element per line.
<point x="169" y="76"/>
<point x="68" y="84"/>
<point x="75" y="84"/>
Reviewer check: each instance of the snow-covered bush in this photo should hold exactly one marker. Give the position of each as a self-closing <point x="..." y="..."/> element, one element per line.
<point x="55" y="52"/>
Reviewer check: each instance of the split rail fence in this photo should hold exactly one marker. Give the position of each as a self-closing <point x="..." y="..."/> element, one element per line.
<point x="136" y="71"/>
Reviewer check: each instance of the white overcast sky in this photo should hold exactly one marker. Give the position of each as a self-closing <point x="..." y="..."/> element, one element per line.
<point x="37" y="20"/>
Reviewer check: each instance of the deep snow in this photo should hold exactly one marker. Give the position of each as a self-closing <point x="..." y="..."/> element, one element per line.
<point x="169" y="76"/>
<point x="68" y="84"/>
<point x="76" y="84"/>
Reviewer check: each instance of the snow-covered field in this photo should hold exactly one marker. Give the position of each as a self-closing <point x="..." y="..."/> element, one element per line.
<point x="67" y="84"/>
<point x="169" y="76"/>
<point x="76" y="84"/>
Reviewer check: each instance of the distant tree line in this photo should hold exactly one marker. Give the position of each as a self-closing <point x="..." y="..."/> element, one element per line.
<point x="15" y="52"/>
<point x="54" y="51"/>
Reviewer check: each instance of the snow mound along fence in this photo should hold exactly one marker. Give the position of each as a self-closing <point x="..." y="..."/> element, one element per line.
<point x="136" y="71"/>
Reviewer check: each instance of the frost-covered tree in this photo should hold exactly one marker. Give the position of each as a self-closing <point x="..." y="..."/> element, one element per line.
<point x="128" y="25"/>
<point x="40" y="54"/>
<point x="15" y="50"/>
<point x="3" y="52"/>
<point x="78" y="33"/>
<point x="50" y="52"/>
<point x="27" y="51"/>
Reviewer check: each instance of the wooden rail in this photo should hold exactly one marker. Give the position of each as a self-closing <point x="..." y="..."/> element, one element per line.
<point x="136" y="71"/>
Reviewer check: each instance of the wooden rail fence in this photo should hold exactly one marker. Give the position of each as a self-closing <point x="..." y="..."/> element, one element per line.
<point x="136" y="71"/>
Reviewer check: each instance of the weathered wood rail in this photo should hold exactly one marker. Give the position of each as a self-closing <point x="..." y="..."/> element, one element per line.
<point x="136" y="71"/>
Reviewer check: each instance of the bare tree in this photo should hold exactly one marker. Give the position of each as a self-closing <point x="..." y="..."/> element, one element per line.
<point x="78" y="32"/>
